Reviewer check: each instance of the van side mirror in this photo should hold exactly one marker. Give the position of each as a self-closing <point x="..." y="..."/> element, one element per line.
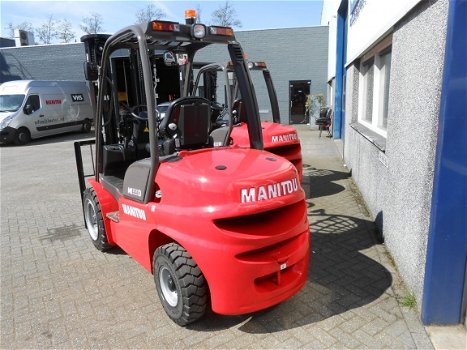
<point x="90" y="71"/>
<point x="28" y="109"/>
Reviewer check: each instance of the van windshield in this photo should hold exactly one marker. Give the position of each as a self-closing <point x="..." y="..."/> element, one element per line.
<point x="10" y="103"/>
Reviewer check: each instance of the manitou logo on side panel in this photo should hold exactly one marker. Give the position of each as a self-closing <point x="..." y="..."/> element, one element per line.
<point x="135" y="212"/>
<point x="285" y="138"/>
<point x="261" y="193"/>
<point x="53" y="102"/>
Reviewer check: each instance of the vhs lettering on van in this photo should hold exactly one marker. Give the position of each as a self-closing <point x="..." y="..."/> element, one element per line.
<point x="77" y="97"/>
<point x="53" y="102"/>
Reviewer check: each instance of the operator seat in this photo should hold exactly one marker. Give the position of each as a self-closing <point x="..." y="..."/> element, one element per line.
<point x="188" y="121"/>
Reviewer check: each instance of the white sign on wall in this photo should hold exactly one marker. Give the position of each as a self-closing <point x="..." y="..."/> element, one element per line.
<point x="369" y="20"/>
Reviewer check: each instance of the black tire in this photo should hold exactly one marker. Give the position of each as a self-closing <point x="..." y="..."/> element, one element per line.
<point x="86" y="126"/>
<point x="94" y="220"/>
<point x="22" y="137"/>
<point x="180" y="284"/>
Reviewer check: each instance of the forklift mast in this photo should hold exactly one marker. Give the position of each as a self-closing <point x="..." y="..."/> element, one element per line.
<point x="131" y="63"/>
<point x="209" y="75"/>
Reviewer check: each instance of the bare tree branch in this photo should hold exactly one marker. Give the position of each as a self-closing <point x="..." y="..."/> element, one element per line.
<point x="198" y="13"/>
<point x="47" y="31"/>
<point x="226" y="16"/>
<point x="22" y="26"/>
<point x="92" y="24"/>
<point x="65" y="31"/>
<point x="149" y="13"/>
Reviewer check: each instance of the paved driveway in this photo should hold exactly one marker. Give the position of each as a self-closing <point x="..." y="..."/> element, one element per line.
<point x="58" y="291"/>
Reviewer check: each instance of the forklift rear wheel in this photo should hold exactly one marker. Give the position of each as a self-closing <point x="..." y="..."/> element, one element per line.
<point x="180" y="284"/>
<point x="94" y="221"/>
<point x="23" y="136"/>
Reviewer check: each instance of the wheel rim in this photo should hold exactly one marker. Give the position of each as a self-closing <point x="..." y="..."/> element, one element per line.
<point x="91" y="219"/>
<point x="22" y="137"/>
<point x="168" y="288"/>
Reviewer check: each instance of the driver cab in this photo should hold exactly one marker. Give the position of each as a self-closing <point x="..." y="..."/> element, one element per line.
<point x="145" y="66"/>
<point x="183" y="123"/>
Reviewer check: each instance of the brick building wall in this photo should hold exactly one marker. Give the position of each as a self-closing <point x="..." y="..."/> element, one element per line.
<point x="290" y="53"/>
<point x="42" y="62"/>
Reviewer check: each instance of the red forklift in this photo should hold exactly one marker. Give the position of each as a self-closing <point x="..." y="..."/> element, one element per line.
<point x="220" y="226"/>
<point x="277" y="138"/>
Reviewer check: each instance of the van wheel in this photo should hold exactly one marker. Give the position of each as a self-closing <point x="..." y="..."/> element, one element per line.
<point x="94" y="220"/>
<point x="86" y="126"/>
<point x="180" y="284"/>
<point x="23" y="136"/>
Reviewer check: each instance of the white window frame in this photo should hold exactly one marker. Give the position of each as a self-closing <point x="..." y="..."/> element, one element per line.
<point x="379" y="70"/>
<point x="363" y="92"/>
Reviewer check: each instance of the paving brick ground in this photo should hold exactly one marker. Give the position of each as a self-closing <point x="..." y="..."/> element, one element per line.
<point x="58" y="291"/>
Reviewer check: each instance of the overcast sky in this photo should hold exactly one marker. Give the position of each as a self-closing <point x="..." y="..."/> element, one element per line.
<point x="118" y="14"/>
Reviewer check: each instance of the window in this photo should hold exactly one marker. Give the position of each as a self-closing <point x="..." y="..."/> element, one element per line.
<point x="375" y="70"/>
<point x="10" y="103"/>
<point x="368" y="79"/>
<point x="34" y="102"/>
<point x="385" y="62"/>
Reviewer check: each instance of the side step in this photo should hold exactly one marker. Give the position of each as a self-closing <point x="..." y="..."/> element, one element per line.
<point x="114" y="216"/>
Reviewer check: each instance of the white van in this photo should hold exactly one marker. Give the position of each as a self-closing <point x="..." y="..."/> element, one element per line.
<point x="31" y="109"/>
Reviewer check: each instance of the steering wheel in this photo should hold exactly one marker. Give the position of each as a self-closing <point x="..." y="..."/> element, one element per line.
<point x="217" y="111"/>
<point x="216" y="106"/>
<point x="140" y="109"/>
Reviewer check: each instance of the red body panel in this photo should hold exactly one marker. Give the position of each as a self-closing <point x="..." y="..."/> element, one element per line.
<point x="278" y="139"/>
<point x="240" y="213"/>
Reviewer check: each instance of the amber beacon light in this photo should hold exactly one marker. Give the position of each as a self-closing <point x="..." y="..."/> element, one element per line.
<point x="190" y="16"/>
